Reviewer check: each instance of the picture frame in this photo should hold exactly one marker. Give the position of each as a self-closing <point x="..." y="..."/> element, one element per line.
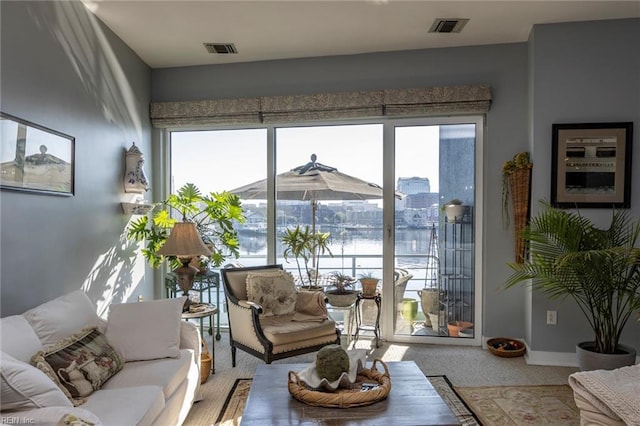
<point x="591" y="165"/>
<point x="34" y="158"/>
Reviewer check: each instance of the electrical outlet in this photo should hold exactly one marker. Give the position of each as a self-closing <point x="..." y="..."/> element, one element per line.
<point x="140" y="298"/>
<point x="552" y="317"/>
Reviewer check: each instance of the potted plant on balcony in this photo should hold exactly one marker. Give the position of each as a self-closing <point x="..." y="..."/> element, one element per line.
<point x="453" y="210"/>
<point x="214" y="214"/>
<point x="341" y="295"/>
<point x="369" y="284"/>
<point x="598" y="268"/>
<point x="306" y="246"/>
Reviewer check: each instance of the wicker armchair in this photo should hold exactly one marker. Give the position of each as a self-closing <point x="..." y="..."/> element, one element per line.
<point x="272" y="337"/>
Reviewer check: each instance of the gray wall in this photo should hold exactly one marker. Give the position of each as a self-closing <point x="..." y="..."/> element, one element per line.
<point x="586" y="72"/>
<point x="63" y="69"/>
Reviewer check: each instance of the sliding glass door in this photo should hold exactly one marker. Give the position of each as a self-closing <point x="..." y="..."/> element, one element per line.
<point x="434" y="279"/>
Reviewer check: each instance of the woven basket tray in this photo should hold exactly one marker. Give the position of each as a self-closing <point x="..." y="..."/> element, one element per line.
<point x="354" y="396"/>
<point x="506" y="347"/>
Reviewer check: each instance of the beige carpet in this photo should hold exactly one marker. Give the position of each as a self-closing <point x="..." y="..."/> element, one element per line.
<point x="463" y="365"/>
<point x="231" y="414"/>
<point x="522" y="405"/>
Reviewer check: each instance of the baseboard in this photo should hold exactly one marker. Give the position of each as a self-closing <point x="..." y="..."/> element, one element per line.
<point x="558" y="359"/>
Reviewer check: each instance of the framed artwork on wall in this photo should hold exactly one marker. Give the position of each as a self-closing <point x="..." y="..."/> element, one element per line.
<point x="591" y="165"/>
<point x="34" y="158"/>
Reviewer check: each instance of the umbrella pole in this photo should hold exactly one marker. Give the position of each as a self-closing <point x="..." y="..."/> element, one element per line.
<point x="314" y="208"/>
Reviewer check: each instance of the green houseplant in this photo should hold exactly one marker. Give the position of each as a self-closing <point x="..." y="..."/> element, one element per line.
<point x="598" y="268"/>
<point x="214" y="215"/>
<point x="301" y="243"/>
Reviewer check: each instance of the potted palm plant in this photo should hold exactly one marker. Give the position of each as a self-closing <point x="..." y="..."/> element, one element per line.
<point x="341" y="295"/>
<point x="214" y="214"/>
<point x="306" y="246"/>
<point x="598" y="268"/>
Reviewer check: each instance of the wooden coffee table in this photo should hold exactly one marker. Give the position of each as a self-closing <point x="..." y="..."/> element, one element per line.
<point x="412" y="401"/>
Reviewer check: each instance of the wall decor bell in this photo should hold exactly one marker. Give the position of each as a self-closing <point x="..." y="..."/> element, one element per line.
<point x="134" y="177"/>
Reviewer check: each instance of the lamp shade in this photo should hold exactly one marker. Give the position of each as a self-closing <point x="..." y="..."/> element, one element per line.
<point x="184" y="241"/>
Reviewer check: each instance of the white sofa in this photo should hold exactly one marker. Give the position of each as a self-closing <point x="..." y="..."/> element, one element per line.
<point x="608" y="397"/>
<point x="156" y="385"/>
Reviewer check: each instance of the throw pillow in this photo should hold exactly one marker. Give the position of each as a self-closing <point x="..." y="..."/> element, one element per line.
<point x="146" y="330"/>
<point x="275" y="291"/>
<point x="23" y="386"/>
<point x="79" y="364"/>
<point x="52" y="322"/>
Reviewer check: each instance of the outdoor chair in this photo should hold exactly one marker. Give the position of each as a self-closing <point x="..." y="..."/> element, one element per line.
<point x="400" y="277"/>
<point x="270" y="319"/>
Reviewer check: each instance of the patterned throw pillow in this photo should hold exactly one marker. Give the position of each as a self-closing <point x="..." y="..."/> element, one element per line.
<point x="79" y="364"/>
<point x="274" y="291"/>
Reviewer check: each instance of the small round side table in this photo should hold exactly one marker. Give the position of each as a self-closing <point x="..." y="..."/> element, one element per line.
<point x="209" y="311"/>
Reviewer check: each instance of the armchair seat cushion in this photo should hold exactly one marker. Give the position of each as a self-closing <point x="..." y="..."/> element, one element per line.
<point x="282" y="330"/>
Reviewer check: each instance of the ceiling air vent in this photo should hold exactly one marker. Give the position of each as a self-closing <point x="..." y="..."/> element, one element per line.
<point x="220" y="48"/>
<point x="448" y="25"/>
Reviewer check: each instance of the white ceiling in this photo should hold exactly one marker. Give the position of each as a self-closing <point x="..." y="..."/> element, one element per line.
<point x="172" y="33"/>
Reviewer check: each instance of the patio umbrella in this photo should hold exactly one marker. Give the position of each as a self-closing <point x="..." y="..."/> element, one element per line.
<point x="314" y="182"/>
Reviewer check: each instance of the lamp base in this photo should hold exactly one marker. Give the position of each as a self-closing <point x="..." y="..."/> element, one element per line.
<point x="184" y="276"/>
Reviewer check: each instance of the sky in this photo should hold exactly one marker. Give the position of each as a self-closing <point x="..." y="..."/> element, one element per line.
<point x="220" y="160"/>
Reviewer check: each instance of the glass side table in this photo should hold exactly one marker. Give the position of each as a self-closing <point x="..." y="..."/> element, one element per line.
<point x="375" y="328"/>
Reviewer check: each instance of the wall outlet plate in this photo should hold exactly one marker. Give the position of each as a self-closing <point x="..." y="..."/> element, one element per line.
<point x="552" y="317"/>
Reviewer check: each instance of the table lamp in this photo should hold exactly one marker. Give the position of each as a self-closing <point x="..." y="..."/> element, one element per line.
<point x="185" y="243"/>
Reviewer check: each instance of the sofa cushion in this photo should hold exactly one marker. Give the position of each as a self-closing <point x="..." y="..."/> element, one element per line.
<point x="61" y="317"/>
<point x="146" y="330"/>
<point x="23" y="386"/>
<point x="81" y="363"/>
<point x="138" y="405"/>
<point x="18" y="339"/>
<point x="275" y="291"/>
<point x="167" y="373"/>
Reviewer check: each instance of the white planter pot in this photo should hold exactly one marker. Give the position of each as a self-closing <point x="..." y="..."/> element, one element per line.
<point x="454" y="212"/>
<point x="341" y="300"/>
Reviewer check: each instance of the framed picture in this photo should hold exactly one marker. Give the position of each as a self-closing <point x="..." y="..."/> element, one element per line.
<point x="34" y="158"/>
<point x="591" y="165"/>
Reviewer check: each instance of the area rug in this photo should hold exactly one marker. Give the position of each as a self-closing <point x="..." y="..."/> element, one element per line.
<point x="522" y="405"/>
<point x="231" y="413"/>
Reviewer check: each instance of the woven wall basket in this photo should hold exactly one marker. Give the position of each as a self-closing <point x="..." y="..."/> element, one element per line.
<point x="520" y="189"/>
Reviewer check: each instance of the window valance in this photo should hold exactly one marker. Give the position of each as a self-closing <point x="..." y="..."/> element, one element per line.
<point x="472" y="99"/>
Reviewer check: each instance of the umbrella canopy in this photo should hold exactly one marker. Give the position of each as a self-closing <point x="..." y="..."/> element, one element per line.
<point x="313" y="181"/>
